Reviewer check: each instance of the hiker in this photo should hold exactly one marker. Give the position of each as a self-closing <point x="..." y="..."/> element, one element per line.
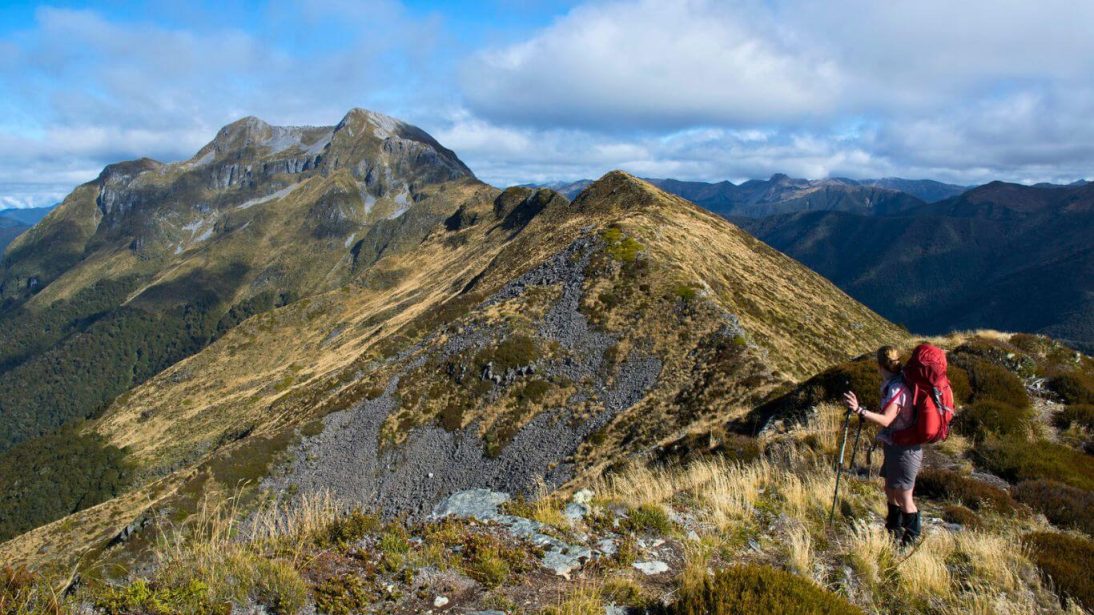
<point x="901" y="463"/>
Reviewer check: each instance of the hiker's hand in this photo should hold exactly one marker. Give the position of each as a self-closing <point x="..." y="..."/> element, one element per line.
<point x="851" y="401"/>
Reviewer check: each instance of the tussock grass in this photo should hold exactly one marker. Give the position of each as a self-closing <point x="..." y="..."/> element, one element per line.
<point x="776" y="511"/>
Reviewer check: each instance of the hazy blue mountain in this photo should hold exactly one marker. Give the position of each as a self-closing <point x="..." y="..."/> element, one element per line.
<point x="1002" y="255"/>
<point x="10" y="229"/>
<point x="28" y="215"/>
<point x="780" y="194"/>
<point x="926" y="190"/>
<point x="569" y="190"/>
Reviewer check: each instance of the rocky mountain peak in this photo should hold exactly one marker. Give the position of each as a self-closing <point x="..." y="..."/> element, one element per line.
<point x="240" y="134"/>
<point x="381" y="126"/>
<point x="364" y="137"/>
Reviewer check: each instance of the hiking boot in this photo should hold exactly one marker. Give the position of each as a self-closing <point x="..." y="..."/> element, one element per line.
<point x="892" y="521"/>
<point x="911" y="524"/>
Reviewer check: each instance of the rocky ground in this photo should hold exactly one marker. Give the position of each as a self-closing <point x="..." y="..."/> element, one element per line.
<point x="346" y="457"/>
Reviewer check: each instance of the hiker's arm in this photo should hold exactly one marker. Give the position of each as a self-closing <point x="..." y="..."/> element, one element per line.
<point x="884" y="418"/>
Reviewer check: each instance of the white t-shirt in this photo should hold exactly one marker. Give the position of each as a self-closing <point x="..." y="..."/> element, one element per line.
<point x="895" y="389"/>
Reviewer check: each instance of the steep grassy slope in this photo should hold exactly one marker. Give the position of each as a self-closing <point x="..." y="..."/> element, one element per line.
<point x="524" y="339"/>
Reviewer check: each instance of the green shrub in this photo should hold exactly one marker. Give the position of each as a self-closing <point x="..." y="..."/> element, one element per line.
<point x="990" y="416"/>
<point x="648" y="518"/>
<point x="514" y="351"/>
<point x="343" y="595"/>
<point x="1016" y="459"/>
<point x="490" y="561"/>
<point x="996" y="352"/>
<point x="348" y="529"/>
<point x="1031" y="344"/>
<point x="1074" y="387"/>
<point x="1081" y="415"/>
<point x="620" y="246"/>
<point x="991" y="382"/>
<point x="940" y="484"/>
<point x="754" y="588"/>
<point x="686" y="292"/>
<point x="959" y="384"/>
<point x="533" y="392"/>
<point x="1065" y="506"/>
<point x="1067" y="560"/>
<point x="142" y="597"/>
<point x="860" y="376"/>
<point x="956" y="513"/>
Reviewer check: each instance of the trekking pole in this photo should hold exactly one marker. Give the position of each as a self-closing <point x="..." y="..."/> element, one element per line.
<point x="839" y="462"/>
<point x="854" y="447"/>
<point x="870" y="459"/>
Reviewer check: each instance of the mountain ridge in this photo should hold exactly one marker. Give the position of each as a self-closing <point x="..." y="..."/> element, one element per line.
<point x="282" y="370"/>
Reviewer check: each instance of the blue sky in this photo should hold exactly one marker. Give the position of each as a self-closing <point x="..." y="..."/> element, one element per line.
<point x="536" y="91"/>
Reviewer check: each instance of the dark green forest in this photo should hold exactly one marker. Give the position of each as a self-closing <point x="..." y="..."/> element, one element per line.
<point x="56" y="475"/>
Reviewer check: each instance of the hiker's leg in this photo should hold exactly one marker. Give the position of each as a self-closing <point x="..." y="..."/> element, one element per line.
<point x="891" y="497"/>
<point x="905" y="501"/>
<point x="902" y="480"/>
<point x="892" y="516"/>
<point x="909" y="518"/>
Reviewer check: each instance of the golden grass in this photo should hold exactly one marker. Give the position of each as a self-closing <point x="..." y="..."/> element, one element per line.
<point x="585" y="599"/>
<point x="207" y="549"/>
<point x="923" y="576"/>
<point x="970" y="571"/>
<point x="546" y="508"/>
<point x="800" y="556"/>
<point x="287" y="526"/>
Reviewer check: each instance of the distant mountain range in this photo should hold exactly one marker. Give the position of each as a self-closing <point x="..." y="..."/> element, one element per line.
<point x="784" y="194"/>
<point x="26" y="215"/>
<point x="1002" y="255"/>
<point x="14" y="221"/>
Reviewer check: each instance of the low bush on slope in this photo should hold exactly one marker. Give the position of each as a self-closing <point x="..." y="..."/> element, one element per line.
<point x="1063" y="505"/>
<point x="1067" y="560"/>
<point x="940" y="484"/>
<point x="753" y="588"/>
<point x="1015" y="459"/>
<point x="987" y="417"/>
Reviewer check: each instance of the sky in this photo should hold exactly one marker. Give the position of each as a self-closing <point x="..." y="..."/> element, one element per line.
<point x="535" y="91"/>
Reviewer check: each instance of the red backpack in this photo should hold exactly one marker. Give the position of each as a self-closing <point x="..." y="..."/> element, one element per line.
<point x="932" y="398"/>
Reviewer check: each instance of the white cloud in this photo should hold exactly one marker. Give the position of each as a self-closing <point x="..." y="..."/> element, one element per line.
<point x="696" y="89"/>
<point x="82" y="91"/>
<point x="654" y="64"/>
<point x="964" y="91"/>
<point x="506" y="155"/>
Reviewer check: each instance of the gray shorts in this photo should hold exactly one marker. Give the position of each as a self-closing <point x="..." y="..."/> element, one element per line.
<point x="901" y="465"/>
